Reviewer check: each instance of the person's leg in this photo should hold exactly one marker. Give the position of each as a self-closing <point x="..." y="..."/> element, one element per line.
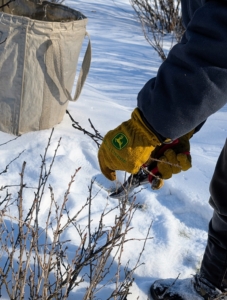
<point x="212" y="280"/>
<point x="214" y="264"/>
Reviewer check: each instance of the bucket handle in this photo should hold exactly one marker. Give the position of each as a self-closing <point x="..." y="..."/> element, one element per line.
<point x="55" y="49"/>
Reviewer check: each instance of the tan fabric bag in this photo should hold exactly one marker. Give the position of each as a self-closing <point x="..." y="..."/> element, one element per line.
<point x="39" y="51"/>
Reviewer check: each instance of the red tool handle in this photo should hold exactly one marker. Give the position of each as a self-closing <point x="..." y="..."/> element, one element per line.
<point x="160" y="153"/>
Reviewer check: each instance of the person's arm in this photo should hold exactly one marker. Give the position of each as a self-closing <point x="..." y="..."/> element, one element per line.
<point x="191" y="83"/>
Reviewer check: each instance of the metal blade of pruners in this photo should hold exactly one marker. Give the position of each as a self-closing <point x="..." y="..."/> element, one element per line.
<point x="144" y="176"/>
<point x="147" y="174"/>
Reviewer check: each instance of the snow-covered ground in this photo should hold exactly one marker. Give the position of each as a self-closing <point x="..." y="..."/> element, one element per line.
<point x="122" y="62"/>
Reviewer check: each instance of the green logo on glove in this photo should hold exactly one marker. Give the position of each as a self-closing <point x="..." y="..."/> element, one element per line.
<point x="120" y="141"/>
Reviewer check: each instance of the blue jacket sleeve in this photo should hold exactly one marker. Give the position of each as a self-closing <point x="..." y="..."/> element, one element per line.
<point x="191" y="84"/>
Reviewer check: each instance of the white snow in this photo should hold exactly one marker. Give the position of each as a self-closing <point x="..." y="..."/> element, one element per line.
<point x="122" y="62"/>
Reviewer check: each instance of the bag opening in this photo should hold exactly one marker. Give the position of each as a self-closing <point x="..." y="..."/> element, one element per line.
<point x="42" y="11"/>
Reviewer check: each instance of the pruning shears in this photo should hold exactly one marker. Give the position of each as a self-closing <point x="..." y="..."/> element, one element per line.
<point x="148" y="173"/>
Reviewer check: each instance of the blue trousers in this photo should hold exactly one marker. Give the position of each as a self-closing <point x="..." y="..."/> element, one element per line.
<point x="214" y="264"/>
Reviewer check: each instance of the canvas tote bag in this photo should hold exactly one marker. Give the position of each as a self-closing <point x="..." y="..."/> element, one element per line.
<point x="40" y="45"/>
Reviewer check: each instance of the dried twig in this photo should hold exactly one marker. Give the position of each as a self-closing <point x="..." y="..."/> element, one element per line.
<point x="9" y="141"/>
<point x="44" y="268"/>
<point x="7" y="3"/>
<point x="7" y="167"/>
<point x="95" y="137"/>
<point x="158" y="18"/>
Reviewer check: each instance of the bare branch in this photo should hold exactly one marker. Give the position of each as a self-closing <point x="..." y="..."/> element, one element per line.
<point x="7" y="4"/>
<point x="7" y="167"/>
<point x="159" y="18"/>
<point x="95" y="137"/>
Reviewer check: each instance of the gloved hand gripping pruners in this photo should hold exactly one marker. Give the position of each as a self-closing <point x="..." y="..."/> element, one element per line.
<point x="148" y="173"/>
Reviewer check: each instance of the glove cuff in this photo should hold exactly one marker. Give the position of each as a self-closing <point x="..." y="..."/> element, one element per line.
<point x="139" y="125"/>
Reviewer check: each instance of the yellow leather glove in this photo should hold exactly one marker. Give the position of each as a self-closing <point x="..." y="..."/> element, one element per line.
<point x="127" y="147"/>
<point x="176" y="158"/>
